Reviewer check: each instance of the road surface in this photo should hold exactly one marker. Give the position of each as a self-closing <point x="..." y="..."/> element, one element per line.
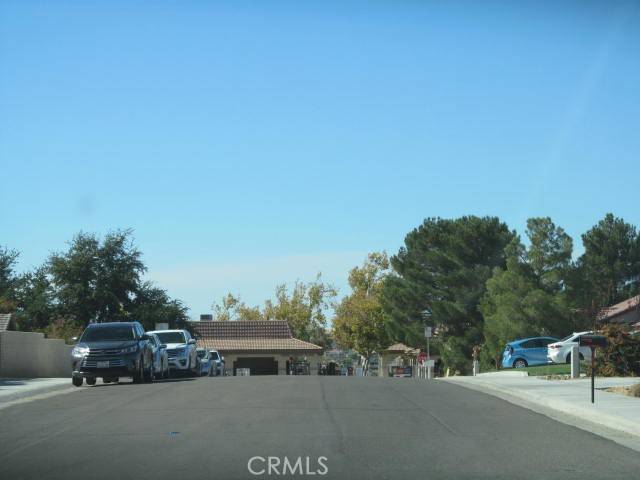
<point x="363" y="428"/>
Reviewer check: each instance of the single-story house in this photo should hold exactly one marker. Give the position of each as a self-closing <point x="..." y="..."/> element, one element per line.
<point x="626" y="312"/>
<point x="264" y="347"/>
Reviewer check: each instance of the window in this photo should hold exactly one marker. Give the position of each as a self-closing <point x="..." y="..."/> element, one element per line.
<point x="529" y="344"/>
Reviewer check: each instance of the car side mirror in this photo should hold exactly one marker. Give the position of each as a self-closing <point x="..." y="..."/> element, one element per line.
<point x="192" y="341"/>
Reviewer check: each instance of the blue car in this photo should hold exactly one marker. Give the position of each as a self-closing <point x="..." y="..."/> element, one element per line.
<point x="526" y="352"/>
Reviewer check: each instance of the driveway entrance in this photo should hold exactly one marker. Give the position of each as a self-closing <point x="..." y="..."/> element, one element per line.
<point x="257" y="365"/>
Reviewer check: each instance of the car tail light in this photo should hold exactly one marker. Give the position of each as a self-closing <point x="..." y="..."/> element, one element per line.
<point x="554" y="346"/>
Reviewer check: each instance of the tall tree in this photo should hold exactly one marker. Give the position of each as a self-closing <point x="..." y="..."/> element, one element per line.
<point x="605" y="272"/>
<point x="442" y="271"/>
<point x="527" y="298"/>
<point x="153" y="305"/>
<point x="359" y="322"/>
<point x="97" y="281"/>
<point x="35" y="300"/>
<point x="231" y="307"/>
<point x="304" y="307"/>
<point x="8" y="279"/>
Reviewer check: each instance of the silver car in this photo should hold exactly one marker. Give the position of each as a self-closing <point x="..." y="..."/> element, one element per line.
<point x="181" y="350"/>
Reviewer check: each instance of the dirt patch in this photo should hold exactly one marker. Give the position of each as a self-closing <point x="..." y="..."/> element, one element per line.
<point x="633" y="391"/>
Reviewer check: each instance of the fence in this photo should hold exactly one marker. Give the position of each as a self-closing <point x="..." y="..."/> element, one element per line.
<point x="30" y="355"/>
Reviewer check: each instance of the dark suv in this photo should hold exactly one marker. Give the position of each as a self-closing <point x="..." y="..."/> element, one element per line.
<point x="110" y="351"/>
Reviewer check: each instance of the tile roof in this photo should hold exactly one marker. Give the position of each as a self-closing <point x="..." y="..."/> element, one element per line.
<point x="5" y="320"/>
<point x="249" y="336"/>
<point x="241" y="329"/>
<point x="257" y="344"/>
<point x="619" y="308"/>
<point x="398" y="347"/>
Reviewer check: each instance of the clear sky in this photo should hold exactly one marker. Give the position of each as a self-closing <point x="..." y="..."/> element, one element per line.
<point x="253" y="143"/>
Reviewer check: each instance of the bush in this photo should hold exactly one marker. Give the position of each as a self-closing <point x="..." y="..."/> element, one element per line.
<point x="635" y="390"/>
<point x="621" y="357"/>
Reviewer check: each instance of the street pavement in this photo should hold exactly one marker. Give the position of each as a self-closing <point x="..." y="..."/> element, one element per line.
<point x="366" y="428"/>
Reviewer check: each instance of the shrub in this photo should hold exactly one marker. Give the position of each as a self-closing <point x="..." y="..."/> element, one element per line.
<point x="621" y="357"/>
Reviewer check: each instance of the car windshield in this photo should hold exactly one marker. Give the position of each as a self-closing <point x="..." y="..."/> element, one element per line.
<point x="215" y="356"/>
<point x="202" y="353"/>
<point x="108" y="333"/>
<point x="171" y="337"/>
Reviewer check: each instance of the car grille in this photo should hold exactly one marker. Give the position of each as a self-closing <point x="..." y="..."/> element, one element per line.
<point x="174" y="352"/>
<point x="95" y="352"/>
<point x="93" y="363"/>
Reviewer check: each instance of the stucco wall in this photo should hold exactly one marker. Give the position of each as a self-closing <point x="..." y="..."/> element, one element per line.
<point x="30" y="355"/>
<point x="280" y="358"/>
<point x="629" y="317"/>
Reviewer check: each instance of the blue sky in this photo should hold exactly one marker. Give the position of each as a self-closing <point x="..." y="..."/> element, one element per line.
<point x="254" y="143"/>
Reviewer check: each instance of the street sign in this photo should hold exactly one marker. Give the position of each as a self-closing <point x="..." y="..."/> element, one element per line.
<point x="428" y="332"/>
<point x="430" y="363"/>
<point x="422" y="358"/>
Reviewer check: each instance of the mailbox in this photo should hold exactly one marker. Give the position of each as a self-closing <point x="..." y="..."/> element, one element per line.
<point x="593" y="341"/>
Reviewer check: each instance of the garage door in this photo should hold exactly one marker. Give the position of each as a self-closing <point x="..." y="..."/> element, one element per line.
<point x="257" y="365"/>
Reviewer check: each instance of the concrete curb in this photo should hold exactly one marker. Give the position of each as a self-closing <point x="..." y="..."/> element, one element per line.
<point x="608" y="421"/>
<point x="31" y="389"/>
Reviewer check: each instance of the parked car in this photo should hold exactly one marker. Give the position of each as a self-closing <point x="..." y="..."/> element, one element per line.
<point x="217" y="362"/>
<point x="206" y="363"/>
<point x="110" y="351"/>
<point x="560" y="351"/>
<point x="160" y="357"/>
<point x="181" y="349"/>
<point x="526" y="352"/>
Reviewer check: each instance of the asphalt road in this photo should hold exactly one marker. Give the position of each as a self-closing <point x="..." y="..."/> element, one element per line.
<point x="366" y="428"/>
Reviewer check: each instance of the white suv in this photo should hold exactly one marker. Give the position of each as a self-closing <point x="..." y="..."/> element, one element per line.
<point x="560" y="352"/>
<point x="181" y="349"/>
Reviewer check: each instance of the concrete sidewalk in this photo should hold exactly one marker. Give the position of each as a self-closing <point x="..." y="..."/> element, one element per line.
<point x="15" y="390"/>
<point x="613" y="415"/>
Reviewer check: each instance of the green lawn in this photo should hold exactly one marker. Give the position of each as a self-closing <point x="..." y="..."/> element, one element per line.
<point x="560" y="369"/>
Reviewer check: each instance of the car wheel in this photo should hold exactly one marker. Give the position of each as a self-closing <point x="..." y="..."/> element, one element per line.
<point x="77" y="381"/>
<point x="106" y="379"/>
<point x="138" y="375"/>
<point x="91" y="380"/>
<point x="115" y="379"/>
<point x="520" y="363"/>
<point x="149" y="373"/>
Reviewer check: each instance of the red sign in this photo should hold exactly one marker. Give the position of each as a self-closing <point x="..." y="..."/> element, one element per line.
<point x="422" y="357"/>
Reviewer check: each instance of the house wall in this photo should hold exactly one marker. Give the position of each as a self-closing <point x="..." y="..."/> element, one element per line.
<point x="30" y="355"/>
<point x="281" y="358"/>
<point x="628" y="318"/>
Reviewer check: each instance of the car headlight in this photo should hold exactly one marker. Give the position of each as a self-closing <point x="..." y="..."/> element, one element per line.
<point x="132" y="349"/>
<point x="79" y="351"/>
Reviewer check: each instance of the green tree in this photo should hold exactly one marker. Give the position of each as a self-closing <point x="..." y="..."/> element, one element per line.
<point x="603" y="273"/>
<point x="8" y="279"/>
<point x="304" y="308"/>
<point x="231" y="307"/>
<point x="97" y="281"/>
<point x="153" y="305"/>
<point x="35" y="298"/>
<point x="523" y="300"/>
<point x="359" y="323"/>
<point x="442" y="270"/>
